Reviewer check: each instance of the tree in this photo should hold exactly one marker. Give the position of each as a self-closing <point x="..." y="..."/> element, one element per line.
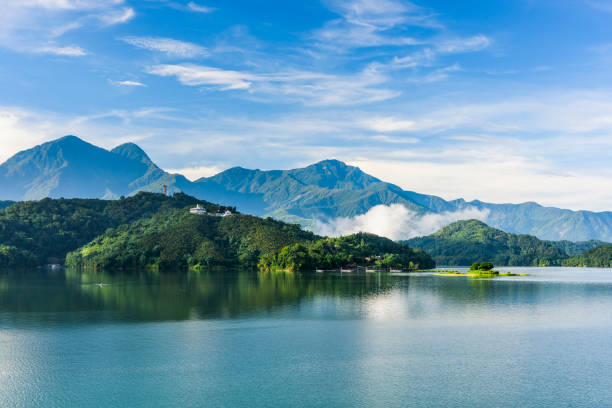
<point x="475" y="266"/>
<point x="486" y="266"/>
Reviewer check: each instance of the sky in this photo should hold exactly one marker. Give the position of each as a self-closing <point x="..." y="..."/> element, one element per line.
<point x="499" y="100"/>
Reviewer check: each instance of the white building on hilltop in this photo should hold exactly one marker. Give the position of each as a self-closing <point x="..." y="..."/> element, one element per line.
<point x="198" y="210"/>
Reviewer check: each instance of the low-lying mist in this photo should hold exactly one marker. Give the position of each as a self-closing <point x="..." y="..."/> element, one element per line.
<point x="394" y="221"/>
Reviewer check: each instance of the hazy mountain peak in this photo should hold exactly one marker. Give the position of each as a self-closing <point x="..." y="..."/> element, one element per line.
<point x="132" y="151"/>
<point x="334" y="174"/>
<point x="68" y="139"/>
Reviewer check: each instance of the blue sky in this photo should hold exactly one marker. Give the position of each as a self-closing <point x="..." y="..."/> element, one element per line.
<point x="504" y="101"/>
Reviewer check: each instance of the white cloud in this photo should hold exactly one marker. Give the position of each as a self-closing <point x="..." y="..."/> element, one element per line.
<point x="369" y="23"/>
<point x="461" y="45"/>
<point x="394" y="221"/>
<point x="168" y="46"/>
<point x="63" y="4"/>
<point x="199" y="8"/>
<point x="307" y="87"/>
<point x="127" y="83"/>
<point x="199" y="75"/>
<point x="388" y="124"/>
<point x="69" y="51"/>
<point x="35" y="26"/>
<point x="194" y="173"/>
<point x="117" y="16"/>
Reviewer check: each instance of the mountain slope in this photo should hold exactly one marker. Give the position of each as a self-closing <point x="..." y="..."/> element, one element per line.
<point x="577" y="248"/>
<point x="38" y="232"/>
<point x="70" y="167"/>
<point x="598" y="257"/>
<point x="465" y="242"/>
<point x="333" y="189"/>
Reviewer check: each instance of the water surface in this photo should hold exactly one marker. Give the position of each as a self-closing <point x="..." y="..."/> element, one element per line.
<point x="239" y="339"/>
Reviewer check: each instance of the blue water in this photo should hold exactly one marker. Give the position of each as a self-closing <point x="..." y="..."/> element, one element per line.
<point x="258" y="340"/>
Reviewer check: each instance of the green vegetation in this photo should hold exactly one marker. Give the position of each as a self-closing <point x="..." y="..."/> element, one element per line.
<point x="34" y="233"/>
<point x="577" y="248"/>
<point x="4" y="204"/>
<point x="175" y="239"/>
<point x="599" y="257"/>
<point x="479" y="270"/>
<point x="156" y="231"/>
<point x="359" y="249"/>
<point x="481" y="266"/>
<point x="462" y="242"/>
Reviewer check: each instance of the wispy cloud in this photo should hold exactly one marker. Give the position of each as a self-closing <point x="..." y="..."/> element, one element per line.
<point x="127" y="83"/>
<point x="35" y="26"/>
<point x="195" y="173"/>
<point x="369" y="23"/>
<point x="307" y="87"/>
<point x="117" y="17"/>
<point x="199" y="8"/>
<point x="388" y="124"/>
<point x="168" y="46"/>
<point x="69" y="51"/>
<point x="199" y="75"/>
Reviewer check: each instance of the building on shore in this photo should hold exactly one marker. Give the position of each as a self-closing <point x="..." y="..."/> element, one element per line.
<point x="198" y="210"/>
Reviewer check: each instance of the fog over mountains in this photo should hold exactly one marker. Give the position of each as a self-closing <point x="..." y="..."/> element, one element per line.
<point x="329" y="196"/>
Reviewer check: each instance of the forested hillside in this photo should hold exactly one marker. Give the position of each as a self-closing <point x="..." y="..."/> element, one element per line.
<point x="465" y="242"/>
<point x="178" y="240"/>
<point x="359" y="249"/>
<point x="39" y="232"/>
<point x="577" y="248"/>
<point x="598" y="257"/>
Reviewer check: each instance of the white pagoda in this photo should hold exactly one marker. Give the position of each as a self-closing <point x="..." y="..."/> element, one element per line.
<point x="198" y="210"/>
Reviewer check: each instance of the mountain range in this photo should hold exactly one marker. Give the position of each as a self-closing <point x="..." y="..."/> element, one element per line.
<point x="70" y="167"/>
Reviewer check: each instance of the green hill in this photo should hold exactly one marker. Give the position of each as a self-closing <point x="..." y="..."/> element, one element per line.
<point x="39" y="232"/>
<point x="599" y="257"/>
<point x="178" y="240"/>
<point x="359" y="249"/>
<point x="465" y="242"/>
<point x="4" y="204"/>
<point x="577" y="248"/>
<point x="154" y="230"/>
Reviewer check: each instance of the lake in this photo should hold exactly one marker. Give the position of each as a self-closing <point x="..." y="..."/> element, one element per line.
<point x="247" y="339"/>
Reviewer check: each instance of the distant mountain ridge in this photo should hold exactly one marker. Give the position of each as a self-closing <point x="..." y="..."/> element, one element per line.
<point x="70" y="167"/>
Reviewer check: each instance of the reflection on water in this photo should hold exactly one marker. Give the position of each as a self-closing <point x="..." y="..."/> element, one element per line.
<point x="66" y="296"/>
<point x="171" y="296"/>
<point x="245" y="339"/>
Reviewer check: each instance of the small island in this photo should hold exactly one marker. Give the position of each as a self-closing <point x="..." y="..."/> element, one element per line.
<point x="479" y="270"/>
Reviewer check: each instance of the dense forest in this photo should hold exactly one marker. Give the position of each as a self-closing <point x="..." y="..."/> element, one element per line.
<point x="34" y="233"/>
<point x="4" y="204"/>
<point x="359" y="249"/>
<point x="576" y="248"/>
<point x="464" y="242"/>
<point x="598" y="257"/>
<point x="175" y="239"/>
